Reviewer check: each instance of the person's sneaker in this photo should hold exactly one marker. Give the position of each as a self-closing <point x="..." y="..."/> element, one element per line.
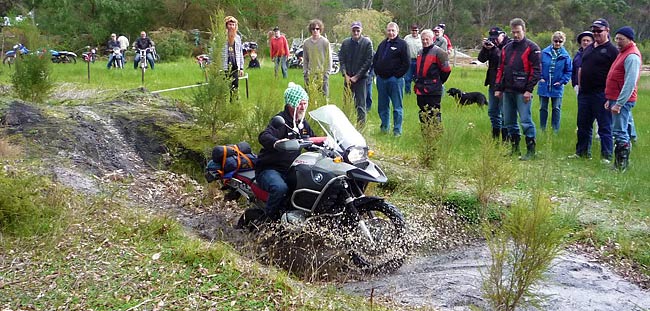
<point x="577" y="156"/>
<point x="606" y="161"/>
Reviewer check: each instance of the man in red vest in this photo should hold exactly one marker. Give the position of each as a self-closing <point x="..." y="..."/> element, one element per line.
<point x="621" y="93"/>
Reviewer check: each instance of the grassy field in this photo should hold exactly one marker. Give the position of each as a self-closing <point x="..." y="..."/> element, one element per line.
<point x="613" y="206"/>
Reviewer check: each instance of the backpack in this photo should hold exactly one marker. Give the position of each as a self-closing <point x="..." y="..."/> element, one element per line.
<point x="228" y="160"/>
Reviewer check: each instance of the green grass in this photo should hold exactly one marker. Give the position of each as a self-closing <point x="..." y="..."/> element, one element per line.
<point x="612" y="206"/>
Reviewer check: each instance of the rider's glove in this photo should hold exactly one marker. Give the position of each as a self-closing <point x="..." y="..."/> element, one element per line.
<point x="329" y="143"/>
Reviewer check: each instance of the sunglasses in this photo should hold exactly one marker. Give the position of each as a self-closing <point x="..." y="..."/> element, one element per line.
<point x="597" y="30"/>
<point x="315" y="28"/>
<point x="558" y="41"/>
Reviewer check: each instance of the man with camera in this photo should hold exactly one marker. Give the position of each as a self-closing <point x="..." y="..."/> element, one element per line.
<point x="491" y="53"/>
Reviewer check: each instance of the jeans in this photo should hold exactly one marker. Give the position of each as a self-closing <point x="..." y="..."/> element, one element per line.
<point x="111" y="58"/>
<point x="556" y="105"/>
<point x="631" y="128"/>
<point x="358" y="92"/>
<point x="136" y="60"/>
<point x="273" y="182"/>
<point x="591" y="107"/>
<point x="408" y="77"/>
<point x="495" y="109"/>
<point x="620" y="123"/>
<point x="513" y="104"/>
<point x="390" y="90"/>
<point x="280" y="61"/>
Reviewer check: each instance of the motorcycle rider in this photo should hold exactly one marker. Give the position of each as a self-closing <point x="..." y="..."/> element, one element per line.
<point x="272" y="165"/>
<point x="142" y="43"/>
<point x="112" y="44"/>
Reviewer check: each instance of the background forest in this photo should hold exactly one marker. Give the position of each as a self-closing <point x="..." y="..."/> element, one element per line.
<point x="75" y="24"/>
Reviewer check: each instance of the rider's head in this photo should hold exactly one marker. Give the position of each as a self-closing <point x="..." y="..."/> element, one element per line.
<point x="113" y="36"/>
<point x="143" y="34"/>
<point x="296" y="100"/>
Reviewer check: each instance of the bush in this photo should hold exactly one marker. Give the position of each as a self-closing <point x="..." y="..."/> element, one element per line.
<point x="29" y="206"/>
<point x="172" y="44"/>
<point x="32" y="80"/>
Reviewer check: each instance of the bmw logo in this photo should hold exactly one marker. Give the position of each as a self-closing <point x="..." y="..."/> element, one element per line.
<point x="318" y="178"/>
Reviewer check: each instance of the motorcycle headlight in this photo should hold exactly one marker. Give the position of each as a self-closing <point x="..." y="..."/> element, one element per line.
<point x="356" y="154"/>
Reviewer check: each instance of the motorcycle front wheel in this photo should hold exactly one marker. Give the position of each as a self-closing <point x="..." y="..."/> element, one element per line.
<point x="8" y="60"/>
<point x="386" y="247"/>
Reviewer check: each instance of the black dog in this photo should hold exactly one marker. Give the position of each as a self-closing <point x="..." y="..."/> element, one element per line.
<point x="468" y="98"/>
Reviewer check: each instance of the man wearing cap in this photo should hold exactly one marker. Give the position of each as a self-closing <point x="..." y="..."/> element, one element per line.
<point x="414" y="45"/>
<point x="391" y="62"/>
<point x="597" y="58"/>
<point x="355" y="56"/>
<point x="279" y="51"/>
<point x="518" y="73"/>
<point x="112" y="44"/>
<point x="232" y="54"/>
<point x="439" y="40"/>
<point x="621" y="92"/>
<point x="491" y="53"/>
<point x="272" y="165"/>
<point x="317" y="57"/>
<point x="450" y="47"/>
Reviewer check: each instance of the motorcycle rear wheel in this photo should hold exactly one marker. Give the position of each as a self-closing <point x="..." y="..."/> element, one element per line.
<point x="389" y="232"/>
<point x="8" y="60"/>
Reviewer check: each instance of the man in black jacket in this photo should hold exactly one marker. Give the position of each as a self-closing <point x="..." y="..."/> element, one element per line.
<point x="518" y="73"/>
<point x="390" y="64"/>
<point x="491" y="53"/>
<point x="272" y="165"/>
<point x="112" y="44"/>
<point x="142" y="43"/>
<point x="355" y="56"/>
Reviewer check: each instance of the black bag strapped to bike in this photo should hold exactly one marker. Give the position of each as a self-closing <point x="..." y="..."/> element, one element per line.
<point x="228" y="160"/>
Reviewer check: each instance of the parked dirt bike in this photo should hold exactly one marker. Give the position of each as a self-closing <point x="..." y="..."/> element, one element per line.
<point x="10" y="56"/>
<point x="295" y="55"/>
<point x="143" y="62"/>
<point x="90" y="55"/>
<point x="327" y="185"/>
<point x="250" y="49"/>
<point x="203" y="60"/>
<point x="63" y="57"/>
<point x="118" y="58"/>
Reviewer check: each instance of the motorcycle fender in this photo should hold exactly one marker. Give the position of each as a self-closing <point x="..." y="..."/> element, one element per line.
<point x="366" y="200"/>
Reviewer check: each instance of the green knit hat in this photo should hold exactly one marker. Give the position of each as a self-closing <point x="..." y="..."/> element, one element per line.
<point x="294" y="94"/>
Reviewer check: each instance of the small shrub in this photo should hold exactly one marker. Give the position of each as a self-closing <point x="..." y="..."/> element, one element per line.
<point x="29" y="206"/>
<point x="531" y="235"/>
<point x="31" y="80"/>
<point x="490" y="172"/>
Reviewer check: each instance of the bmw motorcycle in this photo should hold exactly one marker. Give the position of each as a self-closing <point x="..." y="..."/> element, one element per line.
<point x="327" y="186"/>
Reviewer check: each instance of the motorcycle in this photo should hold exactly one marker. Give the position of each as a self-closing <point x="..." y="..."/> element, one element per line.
<point x="327" y="185"/>
<point x="118" y="59"/>
<point x="295" y="55"/>
<point x="203" y="60"/>
<point x="63" y="57"/>
<point x="90" y="55"/>
<point x="250" y="49"/>
<point x="10" y="56"/>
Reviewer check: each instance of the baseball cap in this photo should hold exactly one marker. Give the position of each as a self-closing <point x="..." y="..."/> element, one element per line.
<point x="356" y="24"/>
<point x="600" y="23"/>
<point x="442" y="25"/>
<point x="495" y="32"/>
<point x="276" y="28"/>
<point x="584" y="34"/>
<point x="437" y="28"/>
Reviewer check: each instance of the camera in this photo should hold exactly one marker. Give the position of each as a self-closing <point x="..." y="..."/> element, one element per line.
<point x="488" y="43"/>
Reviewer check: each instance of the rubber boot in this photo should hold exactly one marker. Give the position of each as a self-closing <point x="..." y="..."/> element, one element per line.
<point x="495" y="133"/>
<point x="530" y="149"/>
<point x="514" y="140"/>
<point x="504" y="135"/>
<point x="621" y="156"/>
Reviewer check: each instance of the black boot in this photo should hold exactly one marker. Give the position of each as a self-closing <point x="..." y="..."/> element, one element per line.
<point x="530" y="149"/>
<point x="504" y="135"/>
<point x="496" y="133"/>
<point x="514" y="140"/>
<point x="621" y="156"/>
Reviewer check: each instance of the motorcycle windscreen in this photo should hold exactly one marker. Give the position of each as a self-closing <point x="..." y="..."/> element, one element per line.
<point x="336" y="124"/>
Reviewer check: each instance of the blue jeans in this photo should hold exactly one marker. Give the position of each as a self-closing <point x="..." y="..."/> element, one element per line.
<point x="631" y="128"/>
<point x="273" y="182"/>
<point x="280" y="61"/>
<point x="591" y="107"/>
<point x="621" y="121"/>
<point x="495" y="108"/>
<point x="390" y="90"/>
<point x="136" y="60"/>
<point x="556" y="105"/>
<point x="369" y="80"/>
<point x="408" y="77"/>
<point x="513" y="104"/>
